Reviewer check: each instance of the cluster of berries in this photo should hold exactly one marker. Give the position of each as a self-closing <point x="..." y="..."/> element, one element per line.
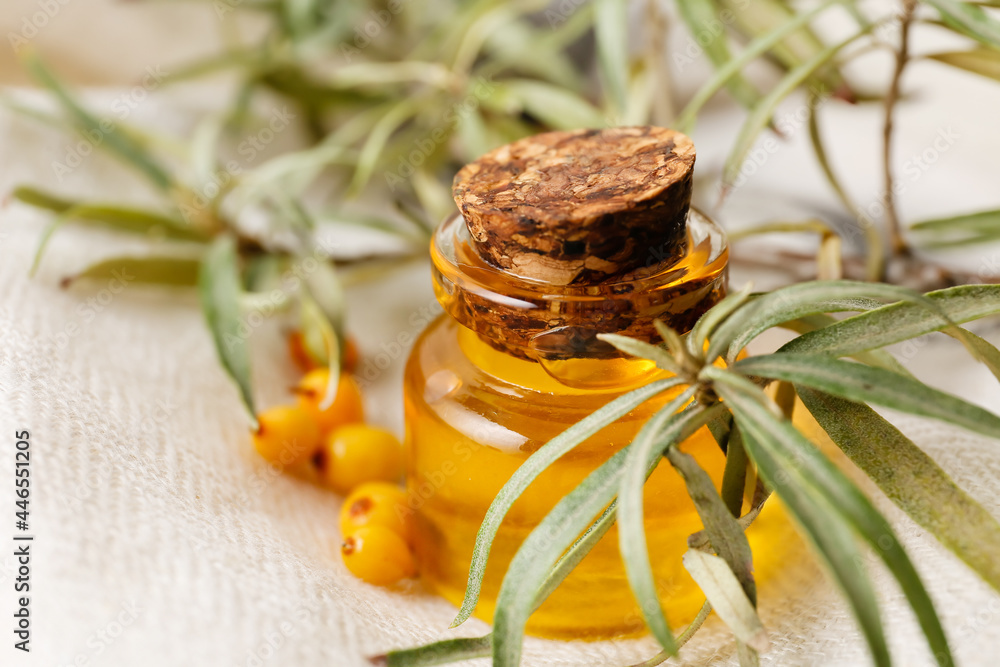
<point x="331" y="445"/>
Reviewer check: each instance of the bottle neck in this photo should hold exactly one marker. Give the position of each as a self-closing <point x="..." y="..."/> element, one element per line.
<point x="532" y="332"/>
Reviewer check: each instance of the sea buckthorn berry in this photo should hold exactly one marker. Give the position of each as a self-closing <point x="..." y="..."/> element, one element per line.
<point x="377" y="555"/>
<point x="377" y="504"/>
<point x="286" y="435"/>
<point x="346" y="408"/>
<point x="358" y="453"/>
<point x="350" y="356"/>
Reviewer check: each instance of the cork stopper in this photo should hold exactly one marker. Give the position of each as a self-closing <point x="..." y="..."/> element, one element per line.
<point x="579" y="207"/>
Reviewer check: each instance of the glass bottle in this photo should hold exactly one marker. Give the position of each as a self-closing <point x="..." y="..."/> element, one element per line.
<point x="512" y="362"/>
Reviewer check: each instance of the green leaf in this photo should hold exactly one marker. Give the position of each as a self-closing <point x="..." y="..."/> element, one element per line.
<point x="540" y="551"/>
<point x="959" y="230"/>
<point x="123" y="218"/>
<point x="700" y="17"/>
<point x="801" y="300"/>
<point x="177" y="271"/>
<point x="874" y="250"/>
<point x="375" y="144"/>
<point x="219" y="288"/>
<point x="982" y="61"/>
<point x="324" y="286"/>
<point x="434" y="197"/>
<point x="110" y="133"/>
<point x="912" y="480"/>
<point x="438" y="653"/>
<point x="754" y="50"/>
<point x="734" y="475"/>
<point x="899" y="322"/>
<point x="759" y="16"/>
<point x="877" y="358"/>
<point x="647" y="446"/>
<point x="770" y="436"/>
<point x="41" y="199"/>
<point x="532" y="467"/>
<point x="707" y="323"/>
<point x="833" y="540"/>
<point x="537" y="51"/>
<point x="558" y="108"/>
<point x="861" y="383"/>
<point x="642" y="350"/>
<point x="576" y="553"/>
<point x="612" y="35"/>
<point x="984" y="351"/>
<point x="722" y="529"/>
<point x="980" y="221"/>
<point x="969" y="20"/>
<point x="728" y="599"/>
<point x="762" y="113"/>
<point x="560" y="527"/>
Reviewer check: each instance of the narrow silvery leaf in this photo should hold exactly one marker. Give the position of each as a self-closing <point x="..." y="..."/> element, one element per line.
<point x="754" y="50"/>
<point x="860" y="383"/>
<point x="727" y="597"/>
<point x="532" y="467"/>
<point x="219" y="288"/>
<point x="877" y="358"/>
<point x="117" y="142"/>
<point x="438" y="653"/>
<point x="832" y="539"/>
<point x="893" y="461"/>
<point x="576" y="553"/>
<point x="643" y="350"/>
<point x="700" y="16"/>
<point x="723" y="530"/>
<point x="557" y="107"/>
<point x="771" y="436"/>
<point x="174" y="271"/>
<point x="121" y="218"/>
<point x="983" y="350"/>
<point x="801" y="300"/>
<point x="973" y="222"/>
<point x="376" y="141"/>
<point x="734" y="475"/>
<point x="324" y="287"/>
<point x="558" y="530"/>
<point x="762" y="113"/>
<point x="899" y="322"/>
<point x="717" y="314"/>
<point x="647" y="446"/>
<point x="985" y="62"/>
<point x="969" y="20"/>
<point x="612" y="36"/>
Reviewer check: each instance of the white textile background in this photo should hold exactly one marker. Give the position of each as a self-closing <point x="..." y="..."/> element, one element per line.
<point x="162" y="539"/>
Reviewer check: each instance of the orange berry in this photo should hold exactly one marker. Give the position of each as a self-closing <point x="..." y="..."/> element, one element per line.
<point x="346" y="408"/>
<point x="377" y="555"/>
<point x="378" y="504"/>
<point x="349" y="360"/>
<point x="357" y="453"/>
<point x="286" y="435"/>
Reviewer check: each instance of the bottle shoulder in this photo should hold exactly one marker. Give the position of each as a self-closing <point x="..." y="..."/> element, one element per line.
<point x="514" y="408"/>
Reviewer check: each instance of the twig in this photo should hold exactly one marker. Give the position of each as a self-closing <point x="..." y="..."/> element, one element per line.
<point x="682" y="639"/>
<point x="898" y="244"/>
